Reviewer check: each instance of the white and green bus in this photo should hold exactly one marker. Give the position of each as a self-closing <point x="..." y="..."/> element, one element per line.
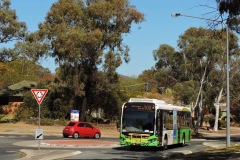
<point x="152" y="122"/>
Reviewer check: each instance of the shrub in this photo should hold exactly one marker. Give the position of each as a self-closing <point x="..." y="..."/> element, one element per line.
<point x="47" y="122"/>
<point x="169" y="92"/>
<point x="222" y="124"/>
<point x="211" y="121"/>
<point x="61" y="122"/>
<point x="23" y="114"/>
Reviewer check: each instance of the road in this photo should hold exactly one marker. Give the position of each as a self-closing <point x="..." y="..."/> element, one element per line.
<point x="140" y="153"/>
<point x="10" y="151"/>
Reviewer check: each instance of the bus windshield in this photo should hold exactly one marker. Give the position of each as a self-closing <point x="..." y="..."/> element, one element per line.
<point x="138" y="121"/>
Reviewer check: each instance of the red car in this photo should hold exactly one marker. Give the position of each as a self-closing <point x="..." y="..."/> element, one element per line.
<point x="81" y="129"/>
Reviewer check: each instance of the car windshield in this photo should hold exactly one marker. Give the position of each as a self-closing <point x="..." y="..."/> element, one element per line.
<point x="138" y="121"/>
<point x="71" y="124"/>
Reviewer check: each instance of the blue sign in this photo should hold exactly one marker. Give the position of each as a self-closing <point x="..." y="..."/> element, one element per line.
<point x="74" y="115"/>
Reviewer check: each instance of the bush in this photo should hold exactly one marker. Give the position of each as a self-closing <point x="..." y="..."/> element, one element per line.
<point x="32" y="121"/>
<point x="211" y="121"/>
<point x="61" y="122"/>
<point x="43" y="121"/>
<point x="169" y="92"/>
<point x="23" y="114"/>
<point x="47" y="122"/>
<point x="100" y="121"/>
<point x="222" y="124"/>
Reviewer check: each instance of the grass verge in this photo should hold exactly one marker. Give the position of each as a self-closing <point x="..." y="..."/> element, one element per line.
<point x="224" y="153"/>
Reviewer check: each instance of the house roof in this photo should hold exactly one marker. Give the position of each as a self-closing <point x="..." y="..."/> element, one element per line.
<point x="17" y="88"/>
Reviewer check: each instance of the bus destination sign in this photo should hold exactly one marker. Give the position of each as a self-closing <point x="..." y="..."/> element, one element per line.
<point x="146" y="107"/>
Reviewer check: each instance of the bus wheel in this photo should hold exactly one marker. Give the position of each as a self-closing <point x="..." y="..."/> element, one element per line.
<point x="131" y="148"/>
<point x="183" y="140"/>
<point x="165" y="142"/>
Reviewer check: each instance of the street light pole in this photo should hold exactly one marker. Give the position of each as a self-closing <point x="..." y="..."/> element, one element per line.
<point x="227" y="70"/>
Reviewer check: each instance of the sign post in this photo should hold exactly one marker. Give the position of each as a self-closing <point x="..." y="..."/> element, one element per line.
<point x="39" y="95"/>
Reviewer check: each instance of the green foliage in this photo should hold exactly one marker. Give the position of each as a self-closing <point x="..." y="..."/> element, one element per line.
<point x="197" y="71"/>
<point x="222" y="124"/>
<point x="21" y="69"/>
<point x="81" y="36"/>
<point x="185" y="91"/>
<point x="212" y="121"/>
<point x="61" y="122"/>
<point x="10" y="28"/>
<point x="47" y="122"/>
<point x="235" y="119"/>
<point x="231" y="9"/>
<point x="148" y="77"/>
<point x="23" y="114"/>
<point x="133" y="86"/>
<point x="169" y="92"/>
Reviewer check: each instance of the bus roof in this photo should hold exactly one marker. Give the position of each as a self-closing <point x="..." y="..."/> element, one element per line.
<point x="160" y="104"/>
<point x="148" y="100"/>
<point x="172" y="107"/>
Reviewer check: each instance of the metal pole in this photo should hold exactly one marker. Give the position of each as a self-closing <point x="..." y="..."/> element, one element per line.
<point x="227" y="70"/>
<point x="228" y="100"/>
<point x="39" y="125"/>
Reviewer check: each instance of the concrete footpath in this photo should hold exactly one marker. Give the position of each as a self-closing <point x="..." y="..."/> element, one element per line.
<point x="54" y="149"/>
<point x="212" y="137"/>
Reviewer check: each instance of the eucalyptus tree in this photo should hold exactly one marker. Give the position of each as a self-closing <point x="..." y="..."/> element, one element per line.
<point x="231" y="10"/>
<point x="202" y="54"/>
<point x="168" y="62"/>
<point x="10" y="30"/>
<point x="85" y="35"/>
<point x="206" y="53"/>
<point x="148" y="77"/>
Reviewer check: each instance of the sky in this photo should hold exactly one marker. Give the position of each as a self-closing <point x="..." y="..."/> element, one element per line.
<point x="158" y="28"/>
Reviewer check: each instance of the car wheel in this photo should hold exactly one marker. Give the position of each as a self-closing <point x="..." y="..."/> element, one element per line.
<point x="97" y="136"/>
<point x="75" y="135"/>
<point x="65" y="136"/>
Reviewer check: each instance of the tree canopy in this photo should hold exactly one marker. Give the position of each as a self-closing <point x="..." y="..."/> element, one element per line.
<point x="230" y="8"/>
<point x="85" y="38"/>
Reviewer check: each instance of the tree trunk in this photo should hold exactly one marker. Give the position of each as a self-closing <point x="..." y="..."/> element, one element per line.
<point x="196" y="103"/>
<point x="83" y="110"/>
<point x="193" y="112"/>
<point x="215" y="128"/>
<point x="199" y="114"/>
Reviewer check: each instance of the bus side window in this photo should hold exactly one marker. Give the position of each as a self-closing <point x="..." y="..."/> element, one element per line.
<point x="164" y="119"/>
<point x="168" y="120"/>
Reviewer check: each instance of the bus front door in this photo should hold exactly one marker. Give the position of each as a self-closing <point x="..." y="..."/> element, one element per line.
<point x="160" y="126"/>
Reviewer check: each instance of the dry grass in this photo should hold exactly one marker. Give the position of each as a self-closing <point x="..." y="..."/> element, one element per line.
<point x="23" y="128"/>
<point x="225" y="153"/>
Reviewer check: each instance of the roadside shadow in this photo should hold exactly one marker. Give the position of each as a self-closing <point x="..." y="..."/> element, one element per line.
<point x="147" y="149"/>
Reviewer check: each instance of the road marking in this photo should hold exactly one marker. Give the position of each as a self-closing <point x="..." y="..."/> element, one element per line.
<point x="11" y="151"/>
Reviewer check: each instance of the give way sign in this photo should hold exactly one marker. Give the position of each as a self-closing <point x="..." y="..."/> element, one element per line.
<point x="39" y="94"/>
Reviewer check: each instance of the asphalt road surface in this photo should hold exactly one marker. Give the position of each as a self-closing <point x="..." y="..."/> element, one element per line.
<point x="9" y="151"/>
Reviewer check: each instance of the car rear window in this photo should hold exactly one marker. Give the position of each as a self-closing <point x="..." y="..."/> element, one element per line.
<point x="71" y="124"/>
